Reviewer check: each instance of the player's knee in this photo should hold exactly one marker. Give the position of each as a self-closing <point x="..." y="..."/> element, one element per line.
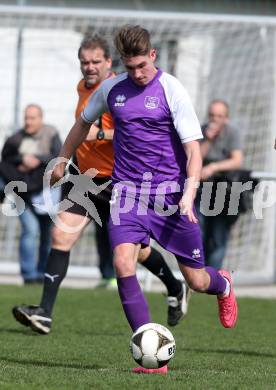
<point x="198" y="283"/>
<point x="62" y="240"/>
<point x="124" y="266"/>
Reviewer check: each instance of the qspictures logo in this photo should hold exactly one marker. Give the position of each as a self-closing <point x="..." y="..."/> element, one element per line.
<point x="125" y="194"/>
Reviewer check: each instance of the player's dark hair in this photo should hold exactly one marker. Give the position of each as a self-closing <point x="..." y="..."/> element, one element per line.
<point x="221" y="101"/>
<point x="132" y="41"/>
<point x="93" y="42"/>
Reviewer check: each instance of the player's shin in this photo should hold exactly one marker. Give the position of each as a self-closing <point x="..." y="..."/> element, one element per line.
<point x="56" y="269"/>
<point x="134" y="303"/>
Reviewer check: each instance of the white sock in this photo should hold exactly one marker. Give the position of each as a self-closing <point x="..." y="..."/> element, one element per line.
<point x="227" y="288"/>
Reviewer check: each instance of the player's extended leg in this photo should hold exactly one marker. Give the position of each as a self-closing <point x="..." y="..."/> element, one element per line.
<point x="131" y="295"/>
<point x="183" y="238"/>
<point x="39" y="317"/>
<point x="214" y="282"/>
<point x="178" y="293"/>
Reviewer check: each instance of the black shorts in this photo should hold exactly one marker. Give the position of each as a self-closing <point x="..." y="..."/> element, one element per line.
<point x="101" y="200"/>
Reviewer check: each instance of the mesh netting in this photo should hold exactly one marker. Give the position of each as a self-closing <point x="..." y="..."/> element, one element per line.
<point x="214" y="57"/>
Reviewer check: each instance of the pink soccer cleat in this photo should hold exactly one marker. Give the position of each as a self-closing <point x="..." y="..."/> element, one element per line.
<point x="228" y="307"/>
<point x="142" y="370"/>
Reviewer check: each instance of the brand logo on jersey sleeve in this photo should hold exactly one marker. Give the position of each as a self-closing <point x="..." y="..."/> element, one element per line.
<point x="151" y="102"/>
<point x="196" y="253"/>
<point x="120" y="101"/>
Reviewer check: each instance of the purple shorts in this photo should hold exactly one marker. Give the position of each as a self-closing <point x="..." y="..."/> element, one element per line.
<point x="131" y="221"/>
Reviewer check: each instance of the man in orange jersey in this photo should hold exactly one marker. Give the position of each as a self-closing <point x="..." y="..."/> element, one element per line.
<point x="96" y="152"/>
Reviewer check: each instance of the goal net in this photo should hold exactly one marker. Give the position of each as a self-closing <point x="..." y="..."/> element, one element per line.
<point x="214" y="56"/>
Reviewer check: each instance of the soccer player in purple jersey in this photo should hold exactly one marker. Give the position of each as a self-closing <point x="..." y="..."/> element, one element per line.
<point x="156" y="172"/>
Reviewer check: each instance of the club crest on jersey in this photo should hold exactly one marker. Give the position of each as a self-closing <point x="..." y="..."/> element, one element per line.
<point x="151" y="102"/>
<point x="120" y="101"/>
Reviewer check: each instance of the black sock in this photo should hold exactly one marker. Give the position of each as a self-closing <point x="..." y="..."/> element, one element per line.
<point x="156" y="264"/>
<point x="56" y="269"/>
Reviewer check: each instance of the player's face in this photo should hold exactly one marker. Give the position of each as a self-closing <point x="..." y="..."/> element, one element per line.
<point x="32" y="120"/>
<point x="94" y="66"/>
<point x="141" y="69"/>
<point x="218" y="114"/>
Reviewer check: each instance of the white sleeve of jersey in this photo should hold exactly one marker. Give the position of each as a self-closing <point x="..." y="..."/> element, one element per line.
<point x="97" y="103"/>
<point x="182" y="111"/>
<point x="95" y="107"/>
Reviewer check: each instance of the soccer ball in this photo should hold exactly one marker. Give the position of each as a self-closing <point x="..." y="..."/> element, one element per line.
<point x="152" y="345"/>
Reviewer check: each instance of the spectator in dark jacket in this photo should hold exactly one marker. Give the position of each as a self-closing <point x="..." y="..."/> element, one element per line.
<point x="24" y="158"/>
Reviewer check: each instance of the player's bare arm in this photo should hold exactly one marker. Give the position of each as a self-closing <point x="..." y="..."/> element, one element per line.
<point x="194" y="164"/>
<point x="76" y="136"/>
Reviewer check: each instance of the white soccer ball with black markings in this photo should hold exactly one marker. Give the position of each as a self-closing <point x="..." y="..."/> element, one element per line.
<point x="152" y="345"/>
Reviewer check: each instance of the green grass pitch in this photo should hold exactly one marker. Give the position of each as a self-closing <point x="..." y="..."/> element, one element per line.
<point x="88" y="347"/>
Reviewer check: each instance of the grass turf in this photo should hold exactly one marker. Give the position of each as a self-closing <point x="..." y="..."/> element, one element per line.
<point x="88" y="345"/>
